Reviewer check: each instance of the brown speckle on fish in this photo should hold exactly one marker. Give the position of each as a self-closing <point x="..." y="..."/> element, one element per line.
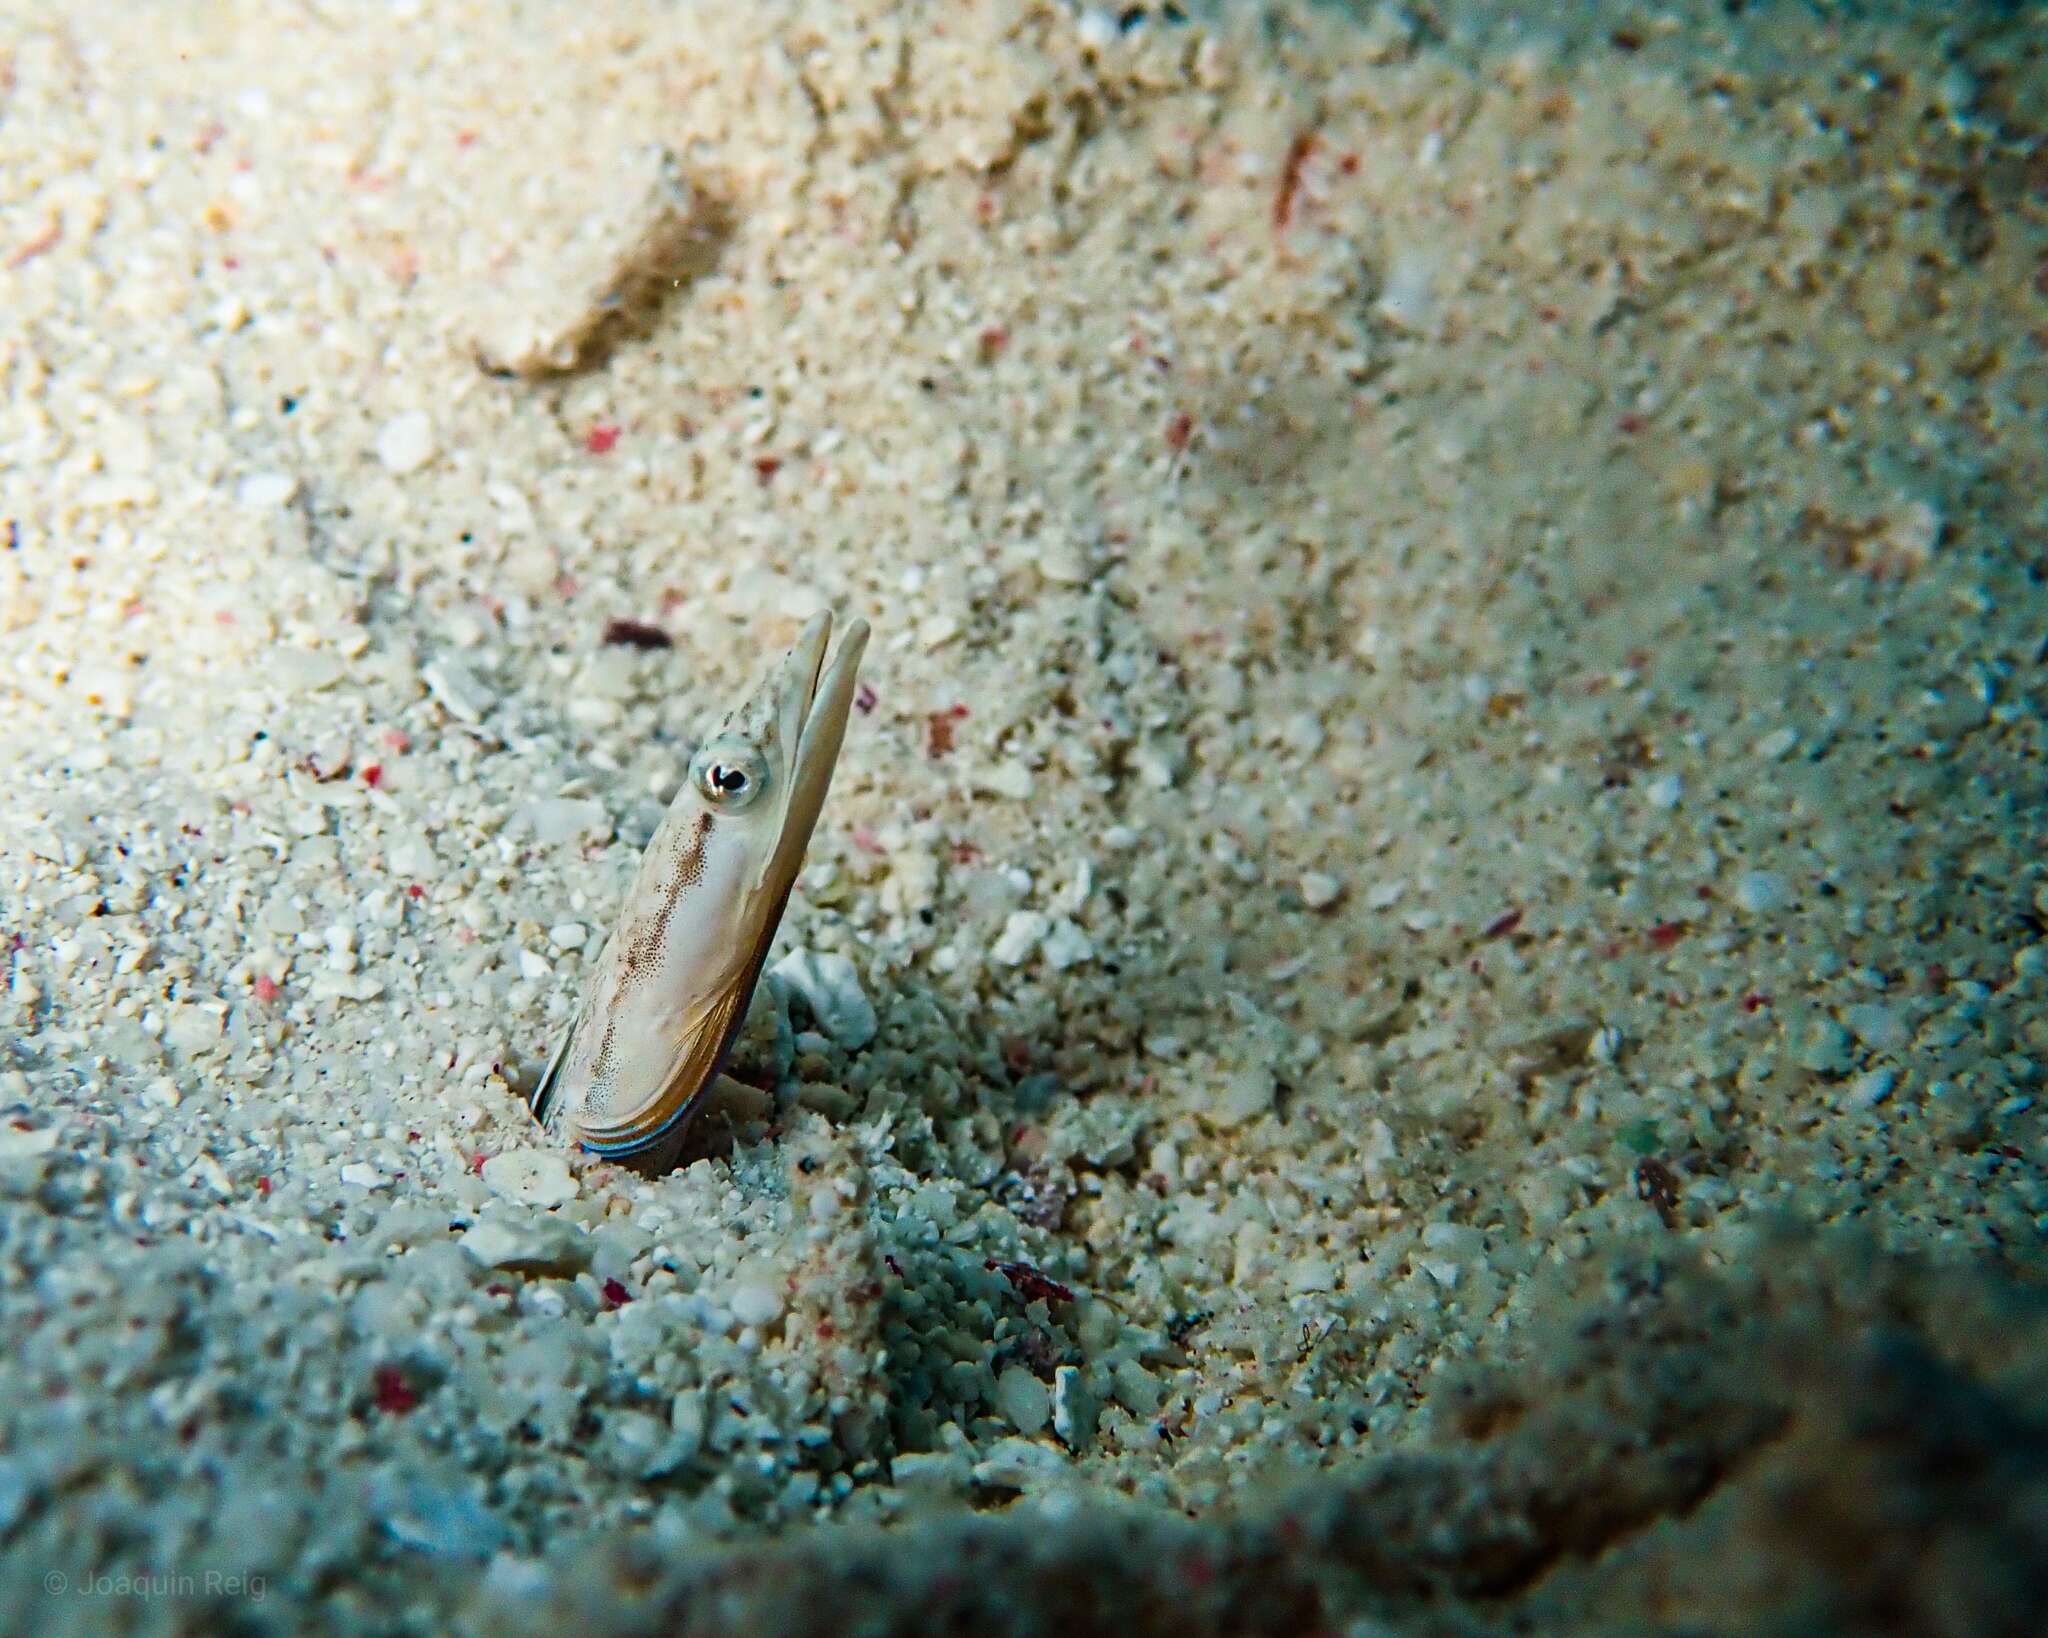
<point x="689" y="872"/>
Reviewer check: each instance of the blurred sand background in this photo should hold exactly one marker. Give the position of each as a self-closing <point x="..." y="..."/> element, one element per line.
<point x="1446" y="847"/>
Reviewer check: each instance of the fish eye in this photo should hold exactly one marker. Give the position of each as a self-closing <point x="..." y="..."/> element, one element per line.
<point x="728" y="773"/>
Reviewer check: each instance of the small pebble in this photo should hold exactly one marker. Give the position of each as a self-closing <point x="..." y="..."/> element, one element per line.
<point x="16" y="1143"/>
<point x="1096" y="29"/>
<point x="1408" y="297"/>
<point x="556" y="819"/>
<point x="1066" y="945"/>
<point x="1245" y="1095"/>
<point x="1877" y="1027"/>
<point x="830" y="987"/>
<point x="1011" y="779"/>
<point x="456" y="687"/>
<point x="757" y="1302"/>
<point x="1024" y="1400"/>
<point x="543" y="1244"/>
<point x="1777" y="743"/>
<point x="1073" y="1407"/>
<point x="931" y="1472"/>
<point x="437" y="1522"/>
<point x="1760" y="890"/>
<point x="1313" y="1272"/>
<point x="538" y="1177"/>
<point x="1019" y="1464"/>
<point x="406" y="442"/>
<point x="266" y="491"/>
<point x="1303" y="733"/>
<point x="1664" y="791"/>
<point x="1020" y="936"/>
<point x="1824" y="1048"/>
<point x="1319" y="890"/>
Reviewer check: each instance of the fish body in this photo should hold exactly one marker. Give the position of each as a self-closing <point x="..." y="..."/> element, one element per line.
<point x="670" y="989"/>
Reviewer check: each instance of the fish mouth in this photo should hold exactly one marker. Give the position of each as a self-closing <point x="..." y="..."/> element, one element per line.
<point x="826" y="699"/>
<point x="805" y="667"/>
<point x="819" y="712"/>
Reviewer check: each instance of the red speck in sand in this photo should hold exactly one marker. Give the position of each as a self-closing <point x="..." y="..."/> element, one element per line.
<point x="1501" y="926"/>
<point x="265" y="987"/>
<point x="601" y="439"/>
<point x="415" y="891"/>
<point x="394" y="1395"/>
<point x="938" y="729"/>
<point x="1667" y="933"/>
<point x="616" y="1295"/>
<point x="766" y="466"/>
<point x="476" y="1164"/>
<point x="866" y="840"/>
<point x="397" y="739"/>
<point x="1630" y="424"/>
<point x="373" y="775"/>
<point x="263" y="1187"/>
<point x="1179" y="430"/>
<point x="31" y="248"/>
<point x="1290" y="179"/>
<point x="1029" y="1283"/>
<point x="1753" y="1001"/>
<point x="636" y="634"/>
<point x="993" y="340"/>
<point x="865" y="699"/>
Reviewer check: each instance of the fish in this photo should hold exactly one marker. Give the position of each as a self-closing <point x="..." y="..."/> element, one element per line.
<point x="671" y="986"/>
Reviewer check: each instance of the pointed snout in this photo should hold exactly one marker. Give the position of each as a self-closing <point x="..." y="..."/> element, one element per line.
<point x="830" y="705"/>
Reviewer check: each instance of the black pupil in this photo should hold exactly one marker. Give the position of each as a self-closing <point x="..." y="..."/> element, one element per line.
<point x="729" y="780"/>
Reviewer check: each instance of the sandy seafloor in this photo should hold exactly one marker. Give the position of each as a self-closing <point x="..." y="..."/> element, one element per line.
<point x="1446" y="845"/>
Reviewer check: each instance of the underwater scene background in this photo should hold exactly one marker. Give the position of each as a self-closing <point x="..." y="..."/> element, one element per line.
<point x="1419" y="1005"/>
